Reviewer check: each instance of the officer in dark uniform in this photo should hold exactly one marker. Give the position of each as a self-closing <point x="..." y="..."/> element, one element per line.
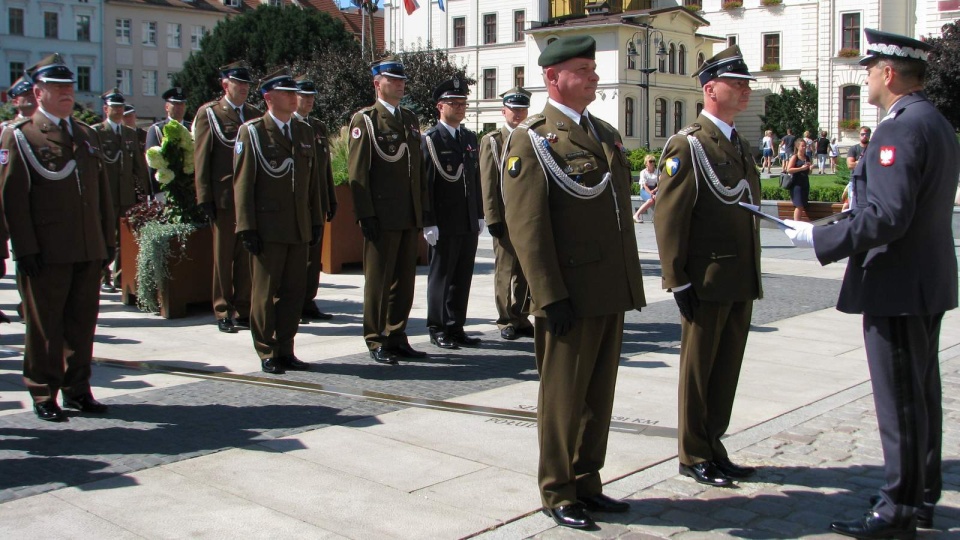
<point x="22" y="98"/>
<point x="56" y="203"/>
<point x="214" y="133"/>
<point x="306" y="93"/>
<point x="566" y="191"/>
<point x="509" y="284"/>
<point x="710" y="254"/>
<point x="130" y="120"/>
<point x="902" y="276"/>
<point x="454" y="217"/>
<point x="389" y="197"/>
<point x="126" y="168"/>
<point x="175" y="104"/>
<point x="277" y="195"/>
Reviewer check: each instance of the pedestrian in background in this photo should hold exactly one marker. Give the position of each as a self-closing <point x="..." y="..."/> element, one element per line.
<point x="766" y="146"/>
<point x="823" y="151"/>
<point x="649" y="180"/>
<point x="799" y="168"/>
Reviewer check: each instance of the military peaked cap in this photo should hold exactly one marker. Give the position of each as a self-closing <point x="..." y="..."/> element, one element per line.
<point x="389" y="66"/>
<point x="175" y="95"/>
<point x="887" y="45"/>
<point x="19" y="87"/>
<point x="237" y="71"/>
<point x="280" y="80"/>
<point x="305" y="86"/>
<point x="516" y="98"/>
<point x="726" y="63"/>
<point x="113" y="97"/>
<point x="450" y="89"/>
<point x="51" y="69"/>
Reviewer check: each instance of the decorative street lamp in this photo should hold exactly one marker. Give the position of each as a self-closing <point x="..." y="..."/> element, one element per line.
<point x="646" y="70"/>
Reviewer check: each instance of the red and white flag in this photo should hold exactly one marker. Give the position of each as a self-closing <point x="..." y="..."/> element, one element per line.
<point x="411" y="6"/>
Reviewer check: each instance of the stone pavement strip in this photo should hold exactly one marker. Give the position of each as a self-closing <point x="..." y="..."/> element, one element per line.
<point x="200" y="444"/>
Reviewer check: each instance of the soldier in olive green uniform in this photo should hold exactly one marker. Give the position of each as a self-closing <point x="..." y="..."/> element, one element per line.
<point x="710" y="253"/>
<point x="130" y="120"/>
<point x="56" y="203"/>
<point x="306" y="92"/>
<point x="214" y="132"/>
<point x="22" y="98"/>
<point x="175" y="105"/>
<point x="509" y="284"/>
<point x="279" y="213"/>
<point x="126" y="168"/>
<point x="389" y="195"/>
<point x="566" y="191"/>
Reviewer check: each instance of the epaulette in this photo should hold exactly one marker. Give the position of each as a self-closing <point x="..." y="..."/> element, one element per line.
<point x="532" y="120"/>
<point x="18" y="123"/>
<point x="257" y="120"/>
<point x="692" y="128"/>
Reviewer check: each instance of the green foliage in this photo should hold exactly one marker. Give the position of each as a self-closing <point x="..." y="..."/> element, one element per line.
<point x="264" y="38"/>
<point x="635" y="189"/>
<point x="7" y="111"/>
<point x="154" y="239"/>
<point x="85" y="115"/>
<point x="843" y="172"/>
<point x="339" y="150"/>
<point x="731" y="4"/>
<point x="771" y="191"/>
<point x="770" y="67"/>
<point x="848" y="52"/>
<point x="794" y="108"/>
<point x="943" y="72"/>
<point x="637" y="155"/>
<point x="427" y="67"/>
<point x="826" y="193"/>
<point x="344" y="84"/>
<point x="173" y="160"/>
<point x="851" y="124"/>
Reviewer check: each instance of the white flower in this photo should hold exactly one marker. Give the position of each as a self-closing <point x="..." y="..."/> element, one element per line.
<point x="155" y="158"/>
<point x="165" y="176"/>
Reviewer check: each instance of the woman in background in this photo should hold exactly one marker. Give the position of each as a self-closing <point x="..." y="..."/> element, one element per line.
<point x="799" y="166"/>
<point x="648" y="182"/>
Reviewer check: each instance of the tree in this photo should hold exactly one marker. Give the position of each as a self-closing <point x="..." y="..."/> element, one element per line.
<point x="266" y="37"/>
<point x="943" y="73"/>
<point x="793" y="108"/>
<point x="427" y="67"/>
<point x="344" y="84"/>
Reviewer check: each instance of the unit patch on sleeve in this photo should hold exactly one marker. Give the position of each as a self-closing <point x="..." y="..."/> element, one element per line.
<point x="355" y="133"/>
<point x="513" y="166"/>
<point x="672" y="166"/>
<point x="4" y="157"/>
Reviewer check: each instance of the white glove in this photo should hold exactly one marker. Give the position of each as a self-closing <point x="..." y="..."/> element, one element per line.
<point x="431" y="234"/>
<point x="801" y="234"/>
<point x="483" y="226"/>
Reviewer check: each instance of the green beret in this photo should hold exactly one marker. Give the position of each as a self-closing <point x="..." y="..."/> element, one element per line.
<point x="565" y="48"/>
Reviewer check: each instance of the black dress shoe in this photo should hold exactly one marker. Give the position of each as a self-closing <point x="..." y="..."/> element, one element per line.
<point x="525" y="331"/>
<point x="226" y="326"/>
<point x="924" y="514"/>
<point x="572" y="515"/>
<point x="271" y="365"/>
<point x="442" y="340"/>
<point x="242" y="322"/>
<point x="49" y="411"/>
<point x="108" y="288"/>
<point x="509" y="333"/>
<point x="382" y="356"/>
<point x="294" y="364"/>
<point x="84" y="403"/>
<point x="707" y="473"/>
<point x="406" y="351"/>
<point x="463" y="340"/>
<point x="315" y="314"/>
<point x="602" y="503"/>
<point x="872" y="525"/>
<point x="733" y="470"/>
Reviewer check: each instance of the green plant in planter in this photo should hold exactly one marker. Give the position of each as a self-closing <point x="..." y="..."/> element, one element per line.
<point x="848" y="52"/>
<point x="773" y="66"/>
<point x="850" y="124"/>
<point x="339" y="160"/>
<point x="771" y="3"/>
<point x="153" y="260"/>
<point x="732" y="4"/>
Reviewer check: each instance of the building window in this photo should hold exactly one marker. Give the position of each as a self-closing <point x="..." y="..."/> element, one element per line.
<point x="15" y="21"/>
<point x="123" y="81"/>
<point x="17" y="69"/>
<point x="519" y="76"/>
<point x="51" y="25"/>
<point x="699" y="108"/>
<point x="672" y="56"/>
<point x="83" y="28"/>
<point x="850" y="34"/>
<point x="489" y="28"/>
<point x="731" y="40"/>
<point x="700" y="60"/>
<point x="850" y="102"/>
<point x="489" y="83"/>
<point x="628" y="117"/>
<point x="149" y="83"/>
<point x="196" y="35"/>
<point x="682" y="60"/>
<point x="150" y="34"/>
<point x="948" y="5"/>
<point x="771" y="49"/>
<point x="677" y="116"/>
<point x="693" y="3"/>
<point x="519" y="20"/>
<point x="459" y="32"/>
<point x="174" y="40"/>
<point x="83" y="78"/>
<point x="488" y="127"/>
<point x="661" y="117"/>
<point x="169" y="81"/>
<point x="123" y="31"/>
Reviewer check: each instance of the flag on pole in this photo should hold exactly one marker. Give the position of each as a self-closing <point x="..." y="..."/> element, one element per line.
<point x="442" y="7"/>
<point x="411" y="6"/>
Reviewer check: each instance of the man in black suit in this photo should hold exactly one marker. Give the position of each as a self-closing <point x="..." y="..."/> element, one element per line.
<point x="453" y="219"/>
<point x="175" y="104"/>
<point x="902" y="276"/>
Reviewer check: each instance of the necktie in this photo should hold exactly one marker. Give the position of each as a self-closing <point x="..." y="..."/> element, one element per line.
<point x="286" y="131"/>
<point x="398" y="114"/>
<point x="735" y="139"/>
<point x="117" y="130"/>
<point x="239" y="113"/>
<point x="65" y="128"/>
<point x="585" y="124"/>
<point x="457" y="135"/>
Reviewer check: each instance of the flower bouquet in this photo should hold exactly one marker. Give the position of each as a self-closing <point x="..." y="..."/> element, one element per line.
<point x="173" y="160"/>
